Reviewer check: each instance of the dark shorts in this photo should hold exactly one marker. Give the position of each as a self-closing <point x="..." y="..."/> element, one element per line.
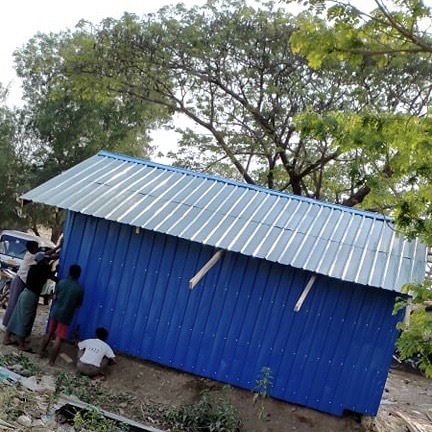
<point x="91" y="370"/>
<point x="57" y="328"/>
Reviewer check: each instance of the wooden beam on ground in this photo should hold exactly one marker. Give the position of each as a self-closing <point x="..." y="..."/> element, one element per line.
<point x="201" y="273"/>
<point x="71" y="400"/>
<point x="411" y="424"/>
<point x="304" y="294"/>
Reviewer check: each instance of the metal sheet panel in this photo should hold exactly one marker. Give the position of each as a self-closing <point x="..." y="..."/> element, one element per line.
<point x="336" y="241"/>
<point x="331" y="355"/>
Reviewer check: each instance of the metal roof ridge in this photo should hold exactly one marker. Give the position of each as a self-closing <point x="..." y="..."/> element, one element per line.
<point x="360" y="212"/>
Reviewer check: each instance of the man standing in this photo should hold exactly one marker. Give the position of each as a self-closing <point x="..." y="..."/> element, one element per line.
<point x="68" y="296"/>
<point x="19" y="281"/>
<point x="24" y="313"/>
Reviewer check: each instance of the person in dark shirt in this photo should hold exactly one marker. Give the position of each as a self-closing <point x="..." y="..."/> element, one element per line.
<point x="24" y="314"/>
<point x="68" y="296"/>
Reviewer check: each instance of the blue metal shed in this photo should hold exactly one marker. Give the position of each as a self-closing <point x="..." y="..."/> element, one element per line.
<point x="302" y="287"/>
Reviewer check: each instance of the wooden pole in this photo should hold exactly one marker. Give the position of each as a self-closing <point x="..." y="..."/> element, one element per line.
<point x="304" y="294"/>
<point x="201" y="273"/>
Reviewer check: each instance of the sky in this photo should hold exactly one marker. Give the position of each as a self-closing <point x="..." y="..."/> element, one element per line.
<point x="22" y="19"/>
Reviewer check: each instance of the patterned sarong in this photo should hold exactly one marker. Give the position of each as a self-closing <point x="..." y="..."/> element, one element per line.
<point x="16" y="288"/>
<point x="24" y="314"/>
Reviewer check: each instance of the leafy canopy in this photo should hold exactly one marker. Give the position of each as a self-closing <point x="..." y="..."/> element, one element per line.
<point x="258" y="110"/>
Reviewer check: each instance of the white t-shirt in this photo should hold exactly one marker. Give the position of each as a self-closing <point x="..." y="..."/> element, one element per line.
<point x="94" y="351"/>
<point x="27" y="261"/>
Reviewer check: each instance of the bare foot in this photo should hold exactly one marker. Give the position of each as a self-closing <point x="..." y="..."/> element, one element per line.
<point x="28" y="349"/>
<point x="99" y="378"/>
<point x="8" y="341"/>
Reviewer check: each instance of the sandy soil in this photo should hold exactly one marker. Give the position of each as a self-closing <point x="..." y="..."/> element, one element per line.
<point x="406" y="403"/>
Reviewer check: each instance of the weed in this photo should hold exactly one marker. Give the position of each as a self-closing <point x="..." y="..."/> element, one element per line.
<point x="15" y="402"/>
<point x="263" y="388"/>
<point x="27" y="366"/>
<point x="94" y="421"/>
<point x="89" y="391"/>
<point x="207" y="415"/>
<point x="416" y="335"/>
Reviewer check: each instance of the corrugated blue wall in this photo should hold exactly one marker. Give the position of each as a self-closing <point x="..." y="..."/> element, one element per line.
<point x="334" y="354"/>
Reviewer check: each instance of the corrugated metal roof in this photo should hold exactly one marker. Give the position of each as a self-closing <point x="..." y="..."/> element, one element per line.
<point x="332" y="240"/>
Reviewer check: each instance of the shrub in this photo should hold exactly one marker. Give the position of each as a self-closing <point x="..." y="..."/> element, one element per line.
<point x="208" y="415"/>
<point x="416" y="336"/>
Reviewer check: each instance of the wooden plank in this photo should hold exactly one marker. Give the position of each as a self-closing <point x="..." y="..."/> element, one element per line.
<point x="304" y="294"/>
<point x="201" y="273"/>
<point x="66" y="358"/>
<point x="72" y="400"/>
<point x="409" y="308"/>
<point x="411" y="424"/>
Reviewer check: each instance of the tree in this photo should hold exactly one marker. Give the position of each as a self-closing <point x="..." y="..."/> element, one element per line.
<point x="262" y="114"/>
<point x="60" y="128"/>
<point x="393" y="34"/>
<point x="416" y="333"/>
<point x="348" y="32"/>
<point x="9" y="174"/>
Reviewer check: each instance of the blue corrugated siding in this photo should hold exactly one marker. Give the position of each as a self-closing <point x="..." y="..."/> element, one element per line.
<point x="332" y="355"/>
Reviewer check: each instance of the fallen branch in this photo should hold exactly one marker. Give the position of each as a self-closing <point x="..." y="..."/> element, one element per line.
<point x="411" y="425"/>
<point x="6" y="425"/>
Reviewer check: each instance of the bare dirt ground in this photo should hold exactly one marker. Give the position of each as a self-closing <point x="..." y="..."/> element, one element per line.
<point x="406" y="404"/>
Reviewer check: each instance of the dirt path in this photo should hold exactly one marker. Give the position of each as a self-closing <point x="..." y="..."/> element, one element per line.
<point x="406" y="404"/>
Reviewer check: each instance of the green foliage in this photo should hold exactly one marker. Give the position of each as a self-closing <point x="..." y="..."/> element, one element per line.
<point x="263" y="388"/>
<point x="227" y="67"/>
<point x="208" y="414"/>
<point x="264" y="384"/>
<point x="14" y="403"/>
<point x="331" y="104"/>
<point x="389" y="33"/>
<point x="63" y="122"/>
<point x="89" y="391"/>
<point x="243" y="75"/>
<point x="416" y="336"/>
<point x="95" y="421"/>
<point x="388" y="156"/>
<point x="10" y="174"/>
<point x="27" y="365"/>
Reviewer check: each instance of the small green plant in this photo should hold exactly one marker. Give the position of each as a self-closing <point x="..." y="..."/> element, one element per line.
<point x="208" y="415"/>
<point x="15" y="402"/>
<point x="27" y="366"/>
<point x="416" y="336"/>
<point x="94" y="421"/>
<point x="263" y="388"/>
<point x="89" y="391"/>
